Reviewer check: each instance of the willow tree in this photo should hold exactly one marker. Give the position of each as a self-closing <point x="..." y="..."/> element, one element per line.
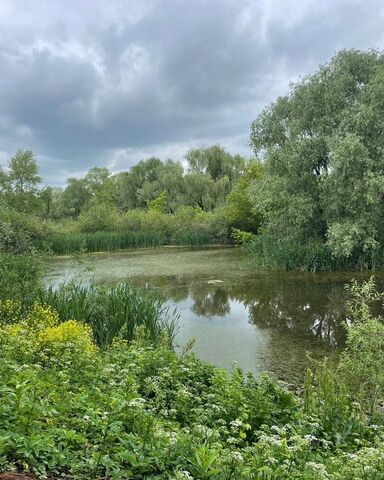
<point x="322" y="146"/>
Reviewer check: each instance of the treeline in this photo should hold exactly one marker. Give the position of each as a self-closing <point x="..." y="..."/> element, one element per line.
<point x="153" y="203"/>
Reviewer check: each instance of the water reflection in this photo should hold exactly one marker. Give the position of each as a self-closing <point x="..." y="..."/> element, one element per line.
<point x="262" y="320"/>
<point x="297" y="308"/>
<point x="210" y="301"/>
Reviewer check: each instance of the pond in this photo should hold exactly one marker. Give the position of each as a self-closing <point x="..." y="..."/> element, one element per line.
<point x="262" y="321"/>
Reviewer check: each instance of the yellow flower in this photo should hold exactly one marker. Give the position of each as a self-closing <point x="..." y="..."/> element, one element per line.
<point x="41" y="317"/>
<point x="68" y="333"/>
<point x="10" y="311"/>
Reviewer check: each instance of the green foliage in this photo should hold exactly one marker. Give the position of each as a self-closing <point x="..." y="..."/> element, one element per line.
<point x="20" y="276"/>
<point x="62" y="244"/>
<point x="19" y="231"/>
<point x="159" y="204"/>
<point x="271" y="252"/>
<point x="98" y="218"/>
<point x="240" y="237"/>
<point x="19" y="184"/>
<point x="321" y="146"/>
<point x="241" y="213"/>
<point x="135" y="229"/>
<point x="112" y="312"/>
<point x="141" y="412"/>
<point x="216" y="163"/>
<point x="135" y="409"/>
<point x="344" y="396"/>
<point x="361" y="362"/>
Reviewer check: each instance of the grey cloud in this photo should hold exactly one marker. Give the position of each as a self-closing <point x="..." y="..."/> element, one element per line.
<point x="92" y="82"/>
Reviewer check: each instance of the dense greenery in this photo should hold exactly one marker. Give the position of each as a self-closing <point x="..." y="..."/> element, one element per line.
<point x="84" y="395"/>
<point x="152" y="204"/>
<point x="322" y="150"/>
<point x="114" y="311"/>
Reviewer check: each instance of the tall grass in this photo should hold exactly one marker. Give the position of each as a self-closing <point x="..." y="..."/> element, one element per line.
<point x="115" y="311"/>
<point x="191" y="238"/>
<point x="104" y="241"/>
<point x="110" y="241"/>
<point x="311" y="256"/>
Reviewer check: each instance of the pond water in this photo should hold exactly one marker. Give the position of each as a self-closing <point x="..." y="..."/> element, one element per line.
<point x="262" y="321"/>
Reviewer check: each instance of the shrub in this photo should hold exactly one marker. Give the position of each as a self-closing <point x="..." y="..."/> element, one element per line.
<point x="20" y="277"/>
<point x="242" y="238"/>
<point x="98" y="218"/>
<point x="71" y="335"/>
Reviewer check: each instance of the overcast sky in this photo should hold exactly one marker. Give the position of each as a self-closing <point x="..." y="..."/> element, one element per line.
<point x="111" y="82"/>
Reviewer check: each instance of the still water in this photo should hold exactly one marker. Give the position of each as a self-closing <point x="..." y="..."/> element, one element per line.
<point x="276" y="322"/>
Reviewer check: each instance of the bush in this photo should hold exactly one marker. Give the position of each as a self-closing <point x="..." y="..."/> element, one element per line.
<point x="20" y="231"/>
<point x="98" y="218"/>
<point x="346" y="395"/>
<point x="361" y="362"/>
<point x="20" y="277"/>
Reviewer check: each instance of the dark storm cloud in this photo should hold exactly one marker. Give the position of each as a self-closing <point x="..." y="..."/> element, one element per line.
<point x="108" y="83"/>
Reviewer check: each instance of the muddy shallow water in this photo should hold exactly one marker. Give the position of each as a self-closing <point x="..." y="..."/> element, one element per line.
<point x="260" y="320"/>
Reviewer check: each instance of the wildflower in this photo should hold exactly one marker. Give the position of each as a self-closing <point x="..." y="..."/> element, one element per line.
<point x="237" y="456"/>
<point x="310" y="438"/>
<point x="236" y="423"/>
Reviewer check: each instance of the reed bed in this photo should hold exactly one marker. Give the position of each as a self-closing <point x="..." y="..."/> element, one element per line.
<point x="269" y="252"/>
<point x="104" y="241"/>
<point x="192" y="238"/>
<point x="64" y="244"/>
<point x="114" y="311"/>
<point x="311" y="256"/>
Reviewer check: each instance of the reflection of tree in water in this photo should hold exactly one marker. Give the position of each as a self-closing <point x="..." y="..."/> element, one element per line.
<point x="302" y="308"/>
<point x="210" y="301"/>
<point x="289" y="304"/>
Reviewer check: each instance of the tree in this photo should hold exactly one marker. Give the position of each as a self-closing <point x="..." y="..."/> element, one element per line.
<point x="215" y="162"/>
<point x="212" y="172"/>
<point x="20" y="184"/>
<point x="240" y="212"/>
<point x="138" y="186"/>
<point x="98" y="182"/>
<point x="324" y="161"/>
<point x="200" y="191"/>
<point x="74" y="198"/>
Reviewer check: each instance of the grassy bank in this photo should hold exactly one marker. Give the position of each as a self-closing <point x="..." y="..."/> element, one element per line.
<point x="91" y="389"/>
<point x="72" y="410"/>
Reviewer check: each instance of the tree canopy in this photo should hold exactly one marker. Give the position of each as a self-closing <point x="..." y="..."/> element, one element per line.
<point x="322" y="148"/>
<point x="20" y="183"/>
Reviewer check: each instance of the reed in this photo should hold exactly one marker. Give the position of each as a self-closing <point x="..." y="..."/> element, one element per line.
<point x="312" y="256"/>
<point x="114" y="311"/>
<point x="191" y="238"/>
<point x="104" y="241"/>
<point x="111" y="241"/>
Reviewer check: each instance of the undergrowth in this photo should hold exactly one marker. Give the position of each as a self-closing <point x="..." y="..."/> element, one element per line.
<point x="90" y="388"/>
